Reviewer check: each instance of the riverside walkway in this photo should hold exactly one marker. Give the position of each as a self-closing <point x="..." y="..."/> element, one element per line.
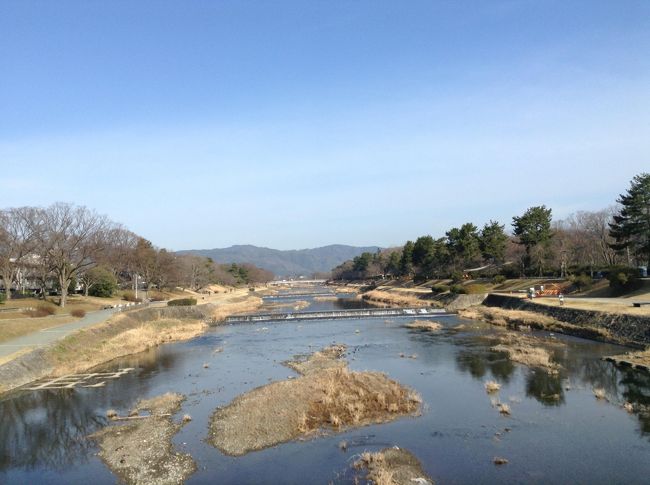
<point x="341" y="314"/>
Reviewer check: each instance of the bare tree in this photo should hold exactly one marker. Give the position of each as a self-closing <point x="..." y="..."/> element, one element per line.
<point x="71" y="240"/>
<point x="119" y="254"/>
<point x="18" y="229"/>
<point x="583" y="239"/>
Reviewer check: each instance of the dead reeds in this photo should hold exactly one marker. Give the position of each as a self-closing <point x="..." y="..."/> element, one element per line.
<point x="347" y="399"/>
<point x="328" y="396"/>
<point x="327" y="358"/>
<point x="431" y="326"/>
<point x="491" y="387"/>
<point x="526" y="350"/>
<point x="384" y="298"/>
<point x="392" y="466"/>
<point x="527" y="320"/>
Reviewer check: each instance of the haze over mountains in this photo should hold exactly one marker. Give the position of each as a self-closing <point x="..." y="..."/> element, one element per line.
<point x="295" y="262"/>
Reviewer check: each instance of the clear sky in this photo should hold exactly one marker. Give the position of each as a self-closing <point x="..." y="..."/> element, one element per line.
<point x="294" y="124"/>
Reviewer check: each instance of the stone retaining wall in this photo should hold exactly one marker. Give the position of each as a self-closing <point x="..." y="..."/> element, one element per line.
<point x="631" y="328"/>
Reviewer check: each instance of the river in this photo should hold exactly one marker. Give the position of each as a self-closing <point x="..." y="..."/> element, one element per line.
<point x="558" y="432"/>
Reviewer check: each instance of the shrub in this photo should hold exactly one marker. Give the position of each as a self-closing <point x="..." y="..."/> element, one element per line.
<point x="582" y="282"/>
<point x="458" y="289"/>
<point x="457" y="277"/>
<point x="78" y="312"/>
<point x="510" y="271"/>
<point x="2" y="298"/>
<point x="437" y="289"/>
<point x="182" y="302"/>
<point x="105" y="283"/>
<point x="623" y="279"/>
<point x="499" y="279"/>
<point x="156" y="296"/>
<point x="130" y="296"/>
<point x="42" y="310"/>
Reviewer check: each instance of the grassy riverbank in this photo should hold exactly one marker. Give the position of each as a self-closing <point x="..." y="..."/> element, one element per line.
<point x="139" y="330"/>
<point x="520" y="318"/>
<point x="389" y="298"/>
<point x="124" y="334"/>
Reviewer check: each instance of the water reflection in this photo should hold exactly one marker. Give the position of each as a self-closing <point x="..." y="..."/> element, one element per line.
<point x="636" y="390"/>
<point x="545" y="388"/>
<point x="47" y="428"/>
<point x="478" y="362"/>
<point x="50" y="428"/>
<point x="580" y="367"/>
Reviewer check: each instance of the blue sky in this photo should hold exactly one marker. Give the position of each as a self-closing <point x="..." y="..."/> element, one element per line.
<point x="294" y="124"/>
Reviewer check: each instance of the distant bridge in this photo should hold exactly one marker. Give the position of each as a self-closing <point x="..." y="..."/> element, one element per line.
<point x="341" y="314"/>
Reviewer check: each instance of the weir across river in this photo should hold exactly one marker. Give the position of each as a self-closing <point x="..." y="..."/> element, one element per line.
<point x="341" y="314"/>
<point x="298" y="295"/>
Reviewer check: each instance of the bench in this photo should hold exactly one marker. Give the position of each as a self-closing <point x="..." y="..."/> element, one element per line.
<point x="639" y="303"/>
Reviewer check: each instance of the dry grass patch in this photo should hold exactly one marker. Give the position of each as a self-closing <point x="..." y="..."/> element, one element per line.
<point x="491" y="387"/>
<point x="345" y="289"/>
<point x="300" y="305"/>
<point x="237" y="305"/>
<point x="504" y="409"/>
<point x="141" y="452"/>
<point x="17" y="327"/>
<point x="327" y="397"/>
<point x="521" y="319"/>
<point x="526" y="350"/>
<point x="82" y="350"/>
<point x="634" y="359"/>
<point x="599" y="393"/>
<point x="392" y="299"/>
<point x="429" y="325"/>
<point x="326" y="298"/>
<point x="392" y="466"/>
<point x="328" y="358"/>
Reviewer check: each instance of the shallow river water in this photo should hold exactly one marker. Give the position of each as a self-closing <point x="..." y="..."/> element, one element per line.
<point x="558" y="431"/>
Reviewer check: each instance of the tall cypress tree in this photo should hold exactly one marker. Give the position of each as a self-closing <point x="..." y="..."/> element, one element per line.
<point x="631" y="226"/>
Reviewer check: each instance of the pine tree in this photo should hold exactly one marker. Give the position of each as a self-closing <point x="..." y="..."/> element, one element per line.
<point x="493" y="241"/>
<point x="534" y="232"/>
<point x="631" y="226"/>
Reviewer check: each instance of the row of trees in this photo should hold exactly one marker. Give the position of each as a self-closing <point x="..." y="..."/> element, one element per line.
<point x="64" y="244"/>
<point x="583" y="242"/>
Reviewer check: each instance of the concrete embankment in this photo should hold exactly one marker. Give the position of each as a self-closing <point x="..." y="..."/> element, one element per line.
<point x="630" y="329"/>
<point x="453" y="303"/>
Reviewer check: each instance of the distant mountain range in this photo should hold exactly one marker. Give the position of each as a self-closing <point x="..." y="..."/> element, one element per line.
<point x="295" y="262"/>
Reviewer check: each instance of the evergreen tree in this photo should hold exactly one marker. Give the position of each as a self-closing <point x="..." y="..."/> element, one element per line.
<point x="422" y="249"/>
<point x="463" y="243"/>
<point x="406" y="261"/>
<point x="492" y="241"/>
<point x="533" y="229"/>
<point x="393" y="264"/>
<point x="631" y="226"/>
